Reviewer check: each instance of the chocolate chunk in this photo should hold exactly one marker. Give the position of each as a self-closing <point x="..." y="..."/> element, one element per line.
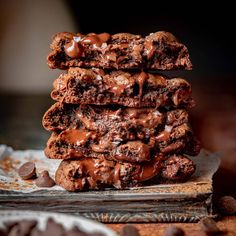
<point x="129" y="230"/>
<point x="99" y="87"/>
<point x="157" y="51"/>
<point x="174" y="231"/>
<point x="209" y="226"/>
<point x="27" y="170"/>
<point x="44" y="180"/>
<point x="227" y="205"/>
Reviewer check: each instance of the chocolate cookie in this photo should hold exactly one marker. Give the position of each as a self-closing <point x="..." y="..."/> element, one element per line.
<point x="121" y="145"/>
<point x="141" y="121"/>
<point x="89" y="173"/>
<point x="131" y="89"/>
<point x="157" y="51"/>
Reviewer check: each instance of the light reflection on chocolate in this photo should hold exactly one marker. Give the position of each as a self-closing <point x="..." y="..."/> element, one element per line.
<point x="163" y="136"/>
<point x="149" y="49"/>
<point x="101" y="146"/>
<point x="94" y="172"/>
<point x="118" y="84"/>
<point x="147" y="117"/>
<point x="180" y="96"/>
<point x="95" y="39"/>
<point x="88" y="122"/>
<point x="141" y="151"/>
<point x="141" y="79"/>
<point x="75" y="137"/>
<point x="150" y="169"/>
<point x="73" y="49"/>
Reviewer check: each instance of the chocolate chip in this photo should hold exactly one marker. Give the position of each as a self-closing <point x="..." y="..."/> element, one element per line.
<point x="174" y="231"/>
<point x="27" y="170"/>
<point x="73" y="49"/>
<point x="227" y="205"/>
<point x="44" y="180"/>
<point x="209" y="226"/>
<point x="129" y="230"/>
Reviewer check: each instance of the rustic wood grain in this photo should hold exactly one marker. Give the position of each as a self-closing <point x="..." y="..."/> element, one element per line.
<point x="136" y="205"/>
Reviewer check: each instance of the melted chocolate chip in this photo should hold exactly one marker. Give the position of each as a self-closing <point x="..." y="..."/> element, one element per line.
<point x="150" y="169"/>
<point x="27" y="170"/>
<point x="163" y="136"/>
<point x="73" y="49"/>
<point x="76" y="137"/>
<point x="141" y="79"/>
<point x="120" y="83"/>
<point x="95" y="39"/>
<point x="149" y="49"/>
<point x="44" y="180"/>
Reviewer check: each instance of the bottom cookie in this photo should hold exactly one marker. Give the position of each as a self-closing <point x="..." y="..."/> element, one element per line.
<point x="89" y="173"/>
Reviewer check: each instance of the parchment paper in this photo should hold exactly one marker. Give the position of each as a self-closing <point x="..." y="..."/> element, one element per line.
<point x="207" y="163"/>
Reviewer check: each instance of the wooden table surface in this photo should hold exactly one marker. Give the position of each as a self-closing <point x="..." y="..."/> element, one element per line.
<point x="191" y="229"/>
<point x="214" y="121"/>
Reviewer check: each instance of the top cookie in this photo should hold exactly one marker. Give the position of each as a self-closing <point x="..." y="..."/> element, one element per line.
<point x="157" y="51"/>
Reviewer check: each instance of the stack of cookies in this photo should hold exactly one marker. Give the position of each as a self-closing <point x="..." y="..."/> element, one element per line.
<point x="116" y="121"/>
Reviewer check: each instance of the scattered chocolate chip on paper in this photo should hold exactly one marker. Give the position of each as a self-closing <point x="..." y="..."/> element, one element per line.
<point x="27" y="170"/>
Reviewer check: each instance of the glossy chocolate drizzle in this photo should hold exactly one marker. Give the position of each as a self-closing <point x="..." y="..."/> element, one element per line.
<point x="74" y="48"/>
<point x="92" y="173"/>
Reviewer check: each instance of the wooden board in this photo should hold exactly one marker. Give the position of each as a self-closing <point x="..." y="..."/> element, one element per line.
<point x="187" y="202"/>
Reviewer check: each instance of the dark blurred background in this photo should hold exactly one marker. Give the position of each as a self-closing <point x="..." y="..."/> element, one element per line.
<point x="26" y="28"/>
